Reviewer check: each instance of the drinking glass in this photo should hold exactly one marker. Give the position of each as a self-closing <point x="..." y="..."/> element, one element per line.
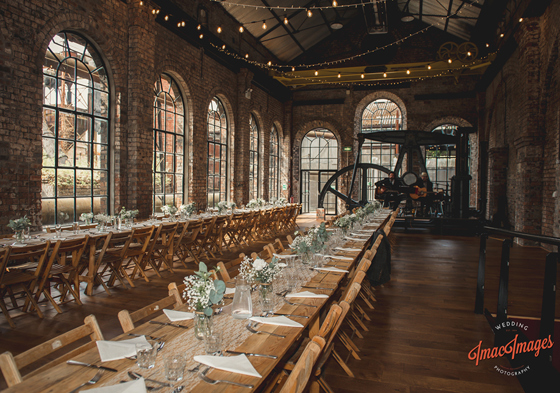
<point x="76" y="227"/>
<point x="146" y="356"/>
<point x="27" y="233"/>
<point x="213" y="343"/>
<point x="174" y="367"/>
<point x="58" y="230"/>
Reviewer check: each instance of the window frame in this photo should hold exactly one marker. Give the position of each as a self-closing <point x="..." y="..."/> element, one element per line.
<point x="254" y="158"/>
<point x="274" y="167"/>
<point x="223" y="147"/>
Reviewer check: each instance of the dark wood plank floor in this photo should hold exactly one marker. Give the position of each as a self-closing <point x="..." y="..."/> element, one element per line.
<point x="420" y="334"/>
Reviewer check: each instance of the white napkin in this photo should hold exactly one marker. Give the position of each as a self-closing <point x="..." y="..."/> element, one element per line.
<point x="113" y="350"/>
<point x="235" y="364"/>
<point x="283" y="256"/>
<point x="229" y="291"/>
<point x="307" y="294"/>
<point x="278" y="321"/>
<point x="361" y="234"/>
<point x="339" y="257"/>
<point x="348" y="249"/>
<point x="178" y="315"/>
<point x="136" y="386"/>
<point x="282" y="264"/>
<point x="355" y="239"/>
<point x="331" y="269"/>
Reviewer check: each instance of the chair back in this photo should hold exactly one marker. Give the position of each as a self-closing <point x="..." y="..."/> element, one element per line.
<point x="192" y="232"/>
<point x="128" y="319"/>
<point x="4" y="255"/>
<point x="11" y="365"/>
<point x="177" y="291"/>
<point x="140" y="239"/>
<point x="298" y="378"/>
<point x="34" y="254"/>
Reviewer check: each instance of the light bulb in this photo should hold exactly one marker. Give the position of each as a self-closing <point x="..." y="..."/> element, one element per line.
<point x="520" y="20"/>
<point x="183" y="23"/>
<point x="166" y="17"/>
<point x="316" y="72"/>
<point x="293" y="69"/>
<point x="198" y="27"/>
<point x="201" y="36"/>
<point x="502" y="35"/>
<point x="488" y="45"/>
<point x="450" y="61"/>
<point x="363" y="76"/>
<point x="269" y="63"/>
<point x="334" y="3"/>
<point x="309" y="13"/>
<point x="141" y="3"/>
<point x="339" y="75"/>
<point x="286" y="21"/>
<point x="224" y="46"/>
<point x="241" y="29"/>
<point x="407" y="72"/>
<point x="469" y="54"/>
<point x="219" y="29"/>
<point x="246" y="55"/>
<point x="264" y="25"/>
<point x="179" y="24"/>
<point x="429" y="67"/>
<point x="384" y="75"/>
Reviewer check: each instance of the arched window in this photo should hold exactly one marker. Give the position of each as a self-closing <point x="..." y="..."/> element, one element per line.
<point x="217" y="152"/>
<point x="75" y="174"/>
<point x="253" y="158"/>
<point x="319" y="161"/>
<point x="440" y="159"/>
<point x="274" y="168"/>
<point x="169" y="144"/>
<point x="380" y="115"/>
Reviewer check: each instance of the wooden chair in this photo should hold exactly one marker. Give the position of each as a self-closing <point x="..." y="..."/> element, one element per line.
<point x="299" y="377"/>
<point x="187" y="247"/>
<point x="62" y="269"/>
<point x="11" y="365"/>
<point x="12" y="278"/>
<point x="225" y="273"/>
<point x="128" y="319"/>
<point x="177" y="291"/>
<point x="92" y="261"/>
<point x="203" y="241"/>
<point x="182" y="231"/>
<point x="162" y="250"/>
<point x="113" y="257"/>
<point x="136" y="251"/>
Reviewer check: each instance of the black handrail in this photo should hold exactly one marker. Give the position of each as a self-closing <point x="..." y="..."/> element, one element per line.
<point x="549" y="284"/>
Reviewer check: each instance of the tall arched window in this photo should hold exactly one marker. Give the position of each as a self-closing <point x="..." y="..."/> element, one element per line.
<point x="217" y="152"/>
<point x="253" y="158"/>
<point x="380" y="115"/>
<point x="319" y="161"/>
<point x="274" y="167"/>
<point x="169" y="144"/>
<point x="440" y="159"/>
<point x="75" y="174"/>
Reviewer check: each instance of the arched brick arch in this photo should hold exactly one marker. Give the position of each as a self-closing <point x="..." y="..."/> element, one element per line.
<point x="296" y="150"/>
<point x="459" y="121"/>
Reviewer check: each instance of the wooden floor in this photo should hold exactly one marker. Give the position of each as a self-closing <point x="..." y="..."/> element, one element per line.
<point x="419" y="337"/>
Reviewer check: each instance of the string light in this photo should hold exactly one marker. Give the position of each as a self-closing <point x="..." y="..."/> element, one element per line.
<point x="223" y="46"/>
<point x="384" y="75"/>
<point x="198" y="27"/>
<point x="334" y="3"/>
<point x="316" y="72"/>
<point x="363" y="76"/>
<point x="264" y="25"/>
<point x="502" y="35"/>
<point x="520" y="20"/>
<point x="488" y="45"/>
<point x="279" y="7"/>
<point x="309" y="13"/>
<point x="219" y="29"/>
<point x="407" y="72"/>
<point x="429" y="67"/>
<point x="246" y="55"/>
<point x="269" y="63"/>
<point x="155" y="12"/>
<point x="286" y="21"/>
<point x="293" y="69"/>
<point x="339" y="75"/>
<point x="241" y="29"/>
<point x="166" y="17"/>
<point x="201" y="36"/>
<point x="141" y="3"/>
<point x="450" y="61"/>
<point x="183" y="24"/>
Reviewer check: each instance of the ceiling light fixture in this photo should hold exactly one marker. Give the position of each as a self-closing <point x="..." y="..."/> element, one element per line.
<point x="264" y="25"/>
<point x="286" y="21"/>
<point x="407" y="18"/>
<point x="336" y="25"/>
<point x="309" y="13"/>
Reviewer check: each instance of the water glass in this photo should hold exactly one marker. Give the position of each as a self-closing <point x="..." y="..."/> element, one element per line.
<point x="27" y="233"/>
<point x="146" y="356"/>
<point x="174" y="367"/>
<point x="76" y="227"/>
<point x="58" y="230"/>
<point x="213" y="343"/>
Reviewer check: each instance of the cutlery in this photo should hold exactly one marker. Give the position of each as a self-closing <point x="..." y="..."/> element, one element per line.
<point x="283" y="293"/>
<point x="145" y="335"/>
<point x="285" y="315"/>
<point x="76" y="363"/>
<point x="178" y="389"/>
<point x="203" y="376"/>
<point x="169" y="324"/>
<point x="330" y="289"/>
<point x="92" y="381"/>
<point x="135" y="375"/>
<point x="250" y="328"/>
<point x="195" y="369"/>
<point x="252" y="354"/>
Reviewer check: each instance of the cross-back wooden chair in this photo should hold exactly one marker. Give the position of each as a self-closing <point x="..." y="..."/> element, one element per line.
<point x="247" y="228"/>
<point x="202" y="239"/>
<point x="187" y="248"/>
<point x="182" y="231"/>
<point x="177" y="291"/>
<point x="135" y="254"/>
<point x="161" y="254"/>
<point x="231" y="232"/>
<point x="92" y="260"/>
<point x="228" y="274"/>
<point x="128" y="319"/>
<point x="300" y="375"/>
<point x="215" y="240"/>
<point x="352" y="348"/>
<point x="113" y="257"/>
<point x="62" y="269"/>
<point x="11" y="365"/>
<point x="12" y="278"/>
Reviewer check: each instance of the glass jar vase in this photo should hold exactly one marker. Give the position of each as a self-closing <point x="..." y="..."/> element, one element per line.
<point x="202" y="324"/>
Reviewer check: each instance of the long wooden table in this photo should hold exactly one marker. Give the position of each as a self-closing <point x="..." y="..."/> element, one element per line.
<point x="64" y="378"/>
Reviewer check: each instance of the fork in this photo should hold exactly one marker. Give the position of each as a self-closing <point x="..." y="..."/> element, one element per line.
<point x="250" y="328"/>
<point x="92" y="381"/>
<point x="211" y="381"/>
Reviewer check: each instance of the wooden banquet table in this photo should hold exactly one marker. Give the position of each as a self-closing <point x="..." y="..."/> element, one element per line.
<point x="64" y="378"/>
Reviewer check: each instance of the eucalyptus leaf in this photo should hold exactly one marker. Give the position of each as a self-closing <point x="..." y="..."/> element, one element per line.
<point x="215" y="297"/>
<point x="220" y="286"/>
<point x="202" y="267"/>
<point x="208" y="311"/>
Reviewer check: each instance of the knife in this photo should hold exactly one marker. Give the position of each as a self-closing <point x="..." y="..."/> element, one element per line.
<point x="76" y="363"/>
<point x="169" y="324"/>
<point x="252" y="354"/>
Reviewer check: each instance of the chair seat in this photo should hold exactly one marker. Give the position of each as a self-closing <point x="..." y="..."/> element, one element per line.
<point x="59" y="269"/>
<point x="13" y="278"/>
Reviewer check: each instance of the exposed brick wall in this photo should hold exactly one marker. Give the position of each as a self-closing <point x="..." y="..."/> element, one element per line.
<point x="135" y="49"/>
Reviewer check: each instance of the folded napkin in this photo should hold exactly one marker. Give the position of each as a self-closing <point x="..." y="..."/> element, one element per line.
<point x="278" y="321"/>
<point x="348" y="249"/>
<point x="280" y="264"/>
<point x="283" y="256"/>
<point x="235" y="364"/>
<point x="178" y="315"/>
<point x="229" y="291"/>
<point x="355" y="239"/>
<point x="113" y="350"/>
<point x="136" y="386"/>
<point x="331" y="269"/>
<point x="307" y="294"/>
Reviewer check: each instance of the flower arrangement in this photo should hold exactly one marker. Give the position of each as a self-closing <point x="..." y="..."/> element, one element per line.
<point x="63" y="217"/>
<point x="20" y="224"/>
<point x="252" y="204"/>
<point x="202" y="292"/>
<point x="189" y="208"/>
<point x="102" y="218"/>
<point x="258" y="271"/>
<point x="280" y="201"/>
<point x="87" y="217"/>
<point x="222" y="206"/>
<point x="127" y="214"/>
<point x="343" y="222"/>
<point x="169" y="209"/>
<point x="232" y="205"/>
<point x="301" y="244"/>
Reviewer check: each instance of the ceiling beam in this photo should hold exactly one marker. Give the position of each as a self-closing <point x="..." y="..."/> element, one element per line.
<point x="280" y="22"/>
<point x="448" y="15"/>
<point x="326" y="21"/>
<point x="420" y="9"/>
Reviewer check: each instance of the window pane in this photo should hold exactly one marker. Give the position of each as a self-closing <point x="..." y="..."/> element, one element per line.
<point x="65" y="183"/>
